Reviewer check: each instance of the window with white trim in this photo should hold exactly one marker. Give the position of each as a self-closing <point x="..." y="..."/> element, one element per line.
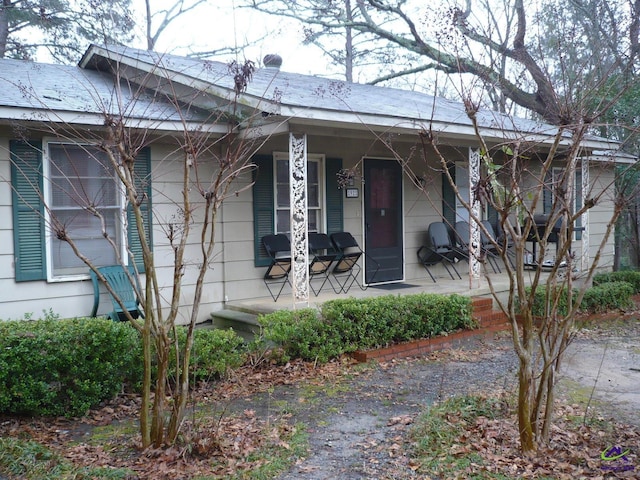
<point x="315" y="200"/>
<point x="77" y="177"/>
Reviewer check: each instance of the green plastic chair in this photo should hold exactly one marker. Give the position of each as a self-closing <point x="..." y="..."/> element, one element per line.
<point x="117" y="277"/>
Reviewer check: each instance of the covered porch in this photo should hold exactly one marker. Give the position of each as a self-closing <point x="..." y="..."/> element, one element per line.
<point x="242" y="315"/>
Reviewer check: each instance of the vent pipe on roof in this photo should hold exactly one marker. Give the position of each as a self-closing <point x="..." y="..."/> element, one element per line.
<point x="272" y="60"/>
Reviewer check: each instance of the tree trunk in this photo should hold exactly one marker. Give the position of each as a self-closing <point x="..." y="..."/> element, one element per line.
<point x="525" y="396"/>
<point x="159" y="401"/>
<point x="348" y="57"/>
<point x="4" y="26"/>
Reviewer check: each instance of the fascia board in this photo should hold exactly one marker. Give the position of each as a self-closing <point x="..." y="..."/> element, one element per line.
<point x="12" y="115"/>
<point x="376" y="123"/>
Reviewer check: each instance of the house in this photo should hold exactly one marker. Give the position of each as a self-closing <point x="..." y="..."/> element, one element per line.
<point x="48" y="111"/>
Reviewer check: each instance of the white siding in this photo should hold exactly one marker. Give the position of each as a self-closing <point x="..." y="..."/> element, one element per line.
<point x="232" y="275"/>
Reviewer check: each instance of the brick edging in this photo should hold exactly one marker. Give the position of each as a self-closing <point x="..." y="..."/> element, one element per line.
<point x="425" y="346"/>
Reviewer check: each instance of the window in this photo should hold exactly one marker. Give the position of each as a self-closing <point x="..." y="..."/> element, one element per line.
<point x="81" y="176"/>
<point x="328" y="210"/>
<point x="314" y="193"/>
<point x="34" y="249"/>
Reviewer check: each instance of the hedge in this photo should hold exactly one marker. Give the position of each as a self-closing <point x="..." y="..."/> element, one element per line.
<point x="629" y="276"/>
<point x="346" y="325"/>
<point x="64" y="367"/>
<point x="605" y="296"/>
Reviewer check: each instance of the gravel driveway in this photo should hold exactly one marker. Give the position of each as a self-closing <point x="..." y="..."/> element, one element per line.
<point x="357" y="427"/>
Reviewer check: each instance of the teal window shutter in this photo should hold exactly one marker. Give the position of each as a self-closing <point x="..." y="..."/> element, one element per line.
<point x="142" y="179"/>
<point x="449" y="197"/>
<point x="263" y="212"/>
<point x="335" y="216"/>
<point x="28" y="210"/>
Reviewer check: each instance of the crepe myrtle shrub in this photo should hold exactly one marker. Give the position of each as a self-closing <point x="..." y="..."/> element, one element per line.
<point x="215" y="352"/>
<point x="65" y="367"/>
<point x="630" y="276"/>
<point x="346" y="325"/>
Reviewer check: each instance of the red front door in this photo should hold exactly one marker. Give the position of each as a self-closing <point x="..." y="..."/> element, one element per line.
<point x="383" y="221"/>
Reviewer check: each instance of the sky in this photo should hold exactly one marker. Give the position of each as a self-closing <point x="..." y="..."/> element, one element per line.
<point x="220" y="24"/>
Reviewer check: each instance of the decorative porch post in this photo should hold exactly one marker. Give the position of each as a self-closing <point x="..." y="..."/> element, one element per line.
<point x="585" y="216"/>
<point x="299" y="221"/>
<point x="474" y="230"/>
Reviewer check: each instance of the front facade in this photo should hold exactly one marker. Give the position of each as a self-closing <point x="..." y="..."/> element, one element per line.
<point x="365" y="174"/>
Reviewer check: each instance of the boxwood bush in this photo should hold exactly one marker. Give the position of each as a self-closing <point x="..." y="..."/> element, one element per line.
<point x="605" y="296"/>
<point x="608" y="296"/>
<point x="214" y="352"/>
<point x="64" y="367"/>
<point x="346" y="325"/>
<point x="630" y="276"/>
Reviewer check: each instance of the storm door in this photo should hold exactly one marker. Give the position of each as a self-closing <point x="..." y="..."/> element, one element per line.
<point x="383" y="221"/>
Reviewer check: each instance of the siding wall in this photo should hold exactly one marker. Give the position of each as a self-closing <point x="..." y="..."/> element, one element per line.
<point x="234" y="231"/>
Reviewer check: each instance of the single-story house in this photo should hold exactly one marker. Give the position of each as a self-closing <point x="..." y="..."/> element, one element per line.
<point x="48" y="111"/>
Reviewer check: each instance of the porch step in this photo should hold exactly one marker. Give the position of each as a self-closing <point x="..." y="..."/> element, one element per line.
<point x="243" y="323"/>
<point x="482" y="311"/>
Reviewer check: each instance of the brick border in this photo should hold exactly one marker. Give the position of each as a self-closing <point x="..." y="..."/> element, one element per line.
<point x="425" y="346"/>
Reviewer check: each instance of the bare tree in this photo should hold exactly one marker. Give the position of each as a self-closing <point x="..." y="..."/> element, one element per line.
<point x="66" y="26"/>
<point x="448" y="41"/>
<point x="209" y="158"/>
<point x="518" y="177"/>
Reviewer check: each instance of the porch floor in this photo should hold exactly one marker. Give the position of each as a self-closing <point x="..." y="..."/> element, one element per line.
<point x="474" y="288"/>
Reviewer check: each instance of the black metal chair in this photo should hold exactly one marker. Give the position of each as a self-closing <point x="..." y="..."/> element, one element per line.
<point x="323" y="255"/>
<point x="349" y="252"/>
<point x="487" y="250"/>
<point x="439" y="249"/>
<point x="461" y="234"/>
<point x="278" y="248"/>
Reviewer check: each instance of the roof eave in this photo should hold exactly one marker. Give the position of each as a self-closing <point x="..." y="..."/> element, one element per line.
<point x="10" y="115"/>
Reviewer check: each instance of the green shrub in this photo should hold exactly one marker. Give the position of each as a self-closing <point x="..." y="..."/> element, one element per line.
<point x="629" y="276"/>
<point x="303" y="334"/>
<point x="64" y="367"/>
<point x="540" y="303"/>
<point x="605" y="296"/>
<point x="346" y="325"/>
<point x="214" y="352"/>
<point x="608" y="296"/>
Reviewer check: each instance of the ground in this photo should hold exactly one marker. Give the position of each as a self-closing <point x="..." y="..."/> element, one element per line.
<point x="358" y="417"/>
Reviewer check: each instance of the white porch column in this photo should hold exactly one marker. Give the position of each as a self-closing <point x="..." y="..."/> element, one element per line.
<point x="474" y="230"/>
<point x="299" y="223"/>
<point x="584" y="264"/>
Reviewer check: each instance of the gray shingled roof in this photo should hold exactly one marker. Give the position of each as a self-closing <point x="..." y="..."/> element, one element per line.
<point x="31" y="87"/>
<point x="299" y="95"/>
<point x="27" y="88"/>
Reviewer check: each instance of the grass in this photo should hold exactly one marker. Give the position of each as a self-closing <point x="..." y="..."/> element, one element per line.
<point x="25" y="459"/>
<point x="444" y="426"/>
